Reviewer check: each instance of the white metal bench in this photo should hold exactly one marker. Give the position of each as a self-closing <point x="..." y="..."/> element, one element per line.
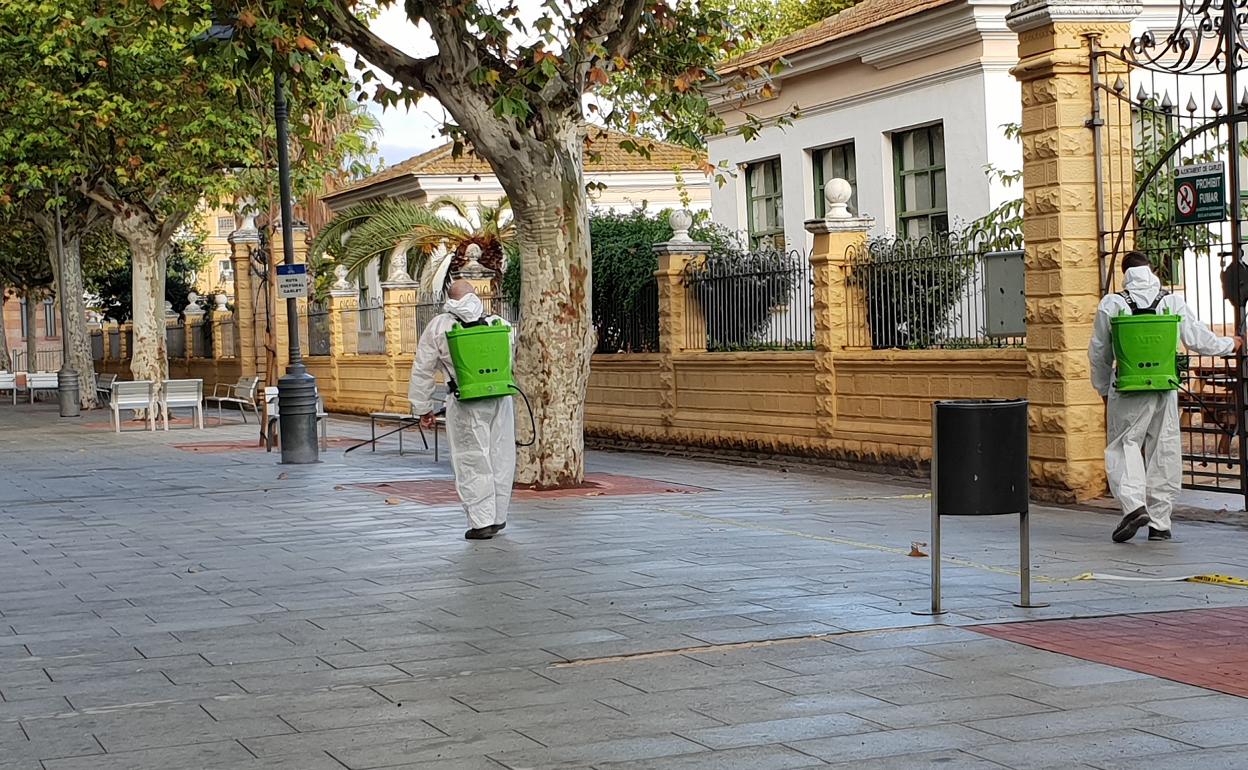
<point x="135" y="394"/>
<point x="241" y="394"/>
<point x="272" y="418"/>
<point x="104" y="385"/>
<point x="183" y="394"/>
<point x="44" y="381"/>
<point x="8" y="381"/>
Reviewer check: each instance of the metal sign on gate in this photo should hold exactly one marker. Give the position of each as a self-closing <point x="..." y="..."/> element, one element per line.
<point x="1200" y="194"/>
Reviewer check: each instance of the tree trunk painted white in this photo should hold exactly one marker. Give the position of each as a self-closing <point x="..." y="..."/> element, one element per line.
<point x="6" y="365"/>
<point x="149" y="358"/>
<point x="556" y="331"/>
<point x="32" y="334"/>
<point x="74" y="305"/>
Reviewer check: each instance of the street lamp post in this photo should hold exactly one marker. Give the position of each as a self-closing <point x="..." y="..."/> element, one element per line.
<point x="296" y="390"/>
<point x="67" y="386"/>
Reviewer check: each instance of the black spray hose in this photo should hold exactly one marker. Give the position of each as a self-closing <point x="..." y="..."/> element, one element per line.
<point x="532" y="420"/>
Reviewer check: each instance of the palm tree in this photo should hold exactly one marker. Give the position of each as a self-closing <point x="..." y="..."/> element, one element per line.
<point x="378" y="231"/>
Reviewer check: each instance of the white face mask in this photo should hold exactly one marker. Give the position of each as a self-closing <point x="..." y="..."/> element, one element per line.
<point x="467" y="308"/>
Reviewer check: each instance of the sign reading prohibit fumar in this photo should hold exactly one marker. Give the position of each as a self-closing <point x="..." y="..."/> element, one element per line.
<point x="1200" y="194"/>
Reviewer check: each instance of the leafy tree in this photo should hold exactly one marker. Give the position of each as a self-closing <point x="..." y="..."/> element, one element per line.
<point x="109" y="279"/>
<point x="774" y="19"/>
<point x="518" y="93"/>
<point x="115" y="103"/>
<point x="25" y="269"/>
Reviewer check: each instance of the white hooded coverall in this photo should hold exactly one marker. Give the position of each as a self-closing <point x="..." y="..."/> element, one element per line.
<point x="482" y="431"/>
<point x="1144" y="452"/>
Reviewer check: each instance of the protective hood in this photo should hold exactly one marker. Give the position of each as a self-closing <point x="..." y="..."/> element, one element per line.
<point x="467" y="308"/>
<point x="1142" y="284"/>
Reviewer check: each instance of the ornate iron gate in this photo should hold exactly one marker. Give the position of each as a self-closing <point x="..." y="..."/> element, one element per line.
<point x="1165" y="112"/>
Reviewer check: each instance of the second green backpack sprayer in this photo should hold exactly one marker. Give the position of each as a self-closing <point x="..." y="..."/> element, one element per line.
<point x="481" y="354"/>
<point x="1146" y="348"/>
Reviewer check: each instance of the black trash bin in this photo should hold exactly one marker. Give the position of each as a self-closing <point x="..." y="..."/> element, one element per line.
<point x="979" y="451"/>
<point x="980" y="468"/>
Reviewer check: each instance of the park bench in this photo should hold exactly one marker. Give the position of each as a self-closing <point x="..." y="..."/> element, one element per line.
<point x="44" y="381"/>
<point x="183" y="394"/>
<point x="104" y="385"/>
<point x="272" y="418"/>
<point x="8" y="381"/>
<point x="135" y="394"/>
<point x="241" y="394"/>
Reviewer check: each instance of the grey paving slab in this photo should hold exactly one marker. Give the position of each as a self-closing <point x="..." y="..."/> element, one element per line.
<point x="927" y="760"/>
<point x="778" y="731"/>
<point x="1207" y="733"/>
<point x="203" y="755"/>
<point x="750" y="758"/>
<point x="605" y="751"/>
<point x="1215" y="706"/>
<point x="1206" y="759"/>
<point x="951" y="710"/>
<point x="893" y="742"/>
<point x="1088" y="748"/>
<point x="1051" y="723"/>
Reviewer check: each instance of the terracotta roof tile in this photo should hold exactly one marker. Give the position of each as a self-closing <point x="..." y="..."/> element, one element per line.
<point x="867" y="15"/>
<point x="607" y="156"/>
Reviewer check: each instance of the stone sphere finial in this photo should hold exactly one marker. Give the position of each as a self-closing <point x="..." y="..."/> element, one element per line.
<point x="221" y="299"/>
<point x="681" y="220"/>
<point x="340" y="275"/>
<point x="837" y="193"/>
<point x="473" y="252"/>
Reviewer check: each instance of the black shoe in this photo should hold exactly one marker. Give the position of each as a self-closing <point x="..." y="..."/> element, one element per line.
<point x="481" y="533"/>
<point x="1158" y="534"/>
<point x="495" y="529"/>
<point x="1129" y="525"/>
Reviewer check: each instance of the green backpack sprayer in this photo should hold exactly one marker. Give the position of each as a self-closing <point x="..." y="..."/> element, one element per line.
<point x="1146" y="348"/>
<point x="481" y="354"/>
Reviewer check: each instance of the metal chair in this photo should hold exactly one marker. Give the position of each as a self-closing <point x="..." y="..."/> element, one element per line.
<point x="104" y="385"/>
<point x="242" y="393"/>
<point x="183" y="394"/>
<point x="137" y="394"/>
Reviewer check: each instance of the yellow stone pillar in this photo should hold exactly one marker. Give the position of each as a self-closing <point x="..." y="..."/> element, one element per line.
<point x="682" y="325"/>
<point x="836" y="237"/>
<point x="221" y="346"/>
<point x="1061" y="233"/>
<point x="344" y="306"/>
<point x="246" y="309"/>
<point x="125" y="340"/>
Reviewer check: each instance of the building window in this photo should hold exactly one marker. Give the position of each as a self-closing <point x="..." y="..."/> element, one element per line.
<point x="49" y="318"/>
<point x="834" y="163"/>
<point x="225" y="226"/>
<point x="919" y="164"/>
<point x="765" y="203"/>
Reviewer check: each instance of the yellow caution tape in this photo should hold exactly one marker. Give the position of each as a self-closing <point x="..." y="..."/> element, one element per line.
<point x="1221" y="580"/>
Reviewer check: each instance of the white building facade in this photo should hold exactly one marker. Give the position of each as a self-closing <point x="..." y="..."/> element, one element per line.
<point x="907" y="99"/>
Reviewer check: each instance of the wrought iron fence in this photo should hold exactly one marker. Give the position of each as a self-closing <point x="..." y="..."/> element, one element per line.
<point x="317" y="339"/>
<point x="628" y="324"/>
<point x="175" y="341"/>
<point x="415" y="317"/>
<point x="114" y="343"/>
<point x="45" y="360"/>
<point x="755" y="301"/>
<point x="97" y="345"/>
<point x="920" y="294"/>
<point x="370" y="330"/>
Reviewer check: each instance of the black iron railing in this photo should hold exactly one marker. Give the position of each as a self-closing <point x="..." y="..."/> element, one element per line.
<point x="756" y="301"/>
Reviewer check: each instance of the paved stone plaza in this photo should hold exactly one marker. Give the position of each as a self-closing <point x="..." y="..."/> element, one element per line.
<point x="168" y="608"/>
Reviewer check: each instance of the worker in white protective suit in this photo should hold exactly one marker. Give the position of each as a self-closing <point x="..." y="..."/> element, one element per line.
<point x="482" y="432"/>
<point x="1144" y="452"/>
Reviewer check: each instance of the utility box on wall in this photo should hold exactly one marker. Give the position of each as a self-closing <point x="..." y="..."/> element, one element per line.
<point x="1005" y="304"/>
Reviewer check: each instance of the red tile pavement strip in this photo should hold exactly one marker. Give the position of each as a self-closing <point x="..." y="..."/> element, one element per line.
<point x="217" y="447"/>
<point x="439" y="492"/>
<point x="1205" y="648"/>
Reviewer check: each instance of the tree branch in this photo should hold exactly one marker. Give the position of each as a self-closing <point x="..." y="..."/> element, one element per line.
<point x="614" y="24"/>
<point x="408" y="70"/>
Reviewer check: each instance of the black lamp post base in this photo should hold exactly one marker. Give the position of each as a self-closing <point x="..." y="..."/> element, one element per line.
<point x="296" y="409"/>
<point x="67" y="391"/>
